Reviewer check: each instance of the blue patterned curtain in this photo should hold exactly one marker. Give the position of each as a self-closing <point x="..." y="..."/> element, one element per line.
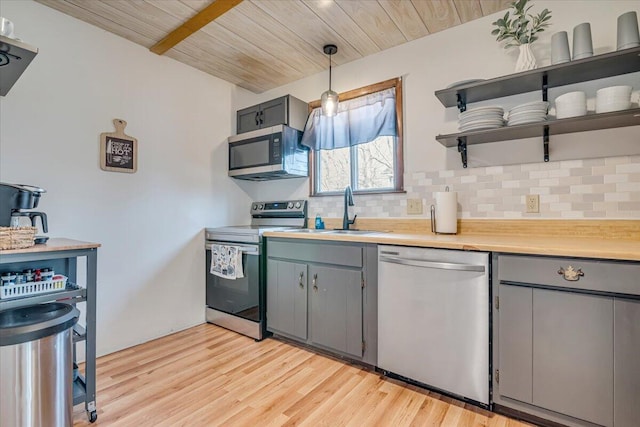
<point x="357" y="121"/>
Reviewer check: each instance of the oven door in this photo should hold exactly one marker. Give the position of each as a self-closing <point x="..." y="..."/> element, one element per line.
<point x="239" y="297"/>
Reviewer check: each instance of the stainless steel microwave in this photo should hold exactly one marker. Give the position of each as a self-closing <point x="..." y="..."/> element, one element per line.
<point x="269" y="153"/>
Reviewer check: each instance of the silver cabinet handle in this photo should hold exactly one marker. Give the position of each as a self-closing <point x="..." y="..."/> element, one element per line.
<point x="300" y="283"/>
<point x="432" y="264"/>
<point x="314" y="282"/>
<point x="570" y="274"/>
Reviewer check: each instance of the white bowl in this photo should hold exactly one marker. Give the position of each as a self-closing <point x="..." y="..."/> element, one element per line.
<point x="572" y="97"/>
<point x="612" y="106"/>
<point x="563" y="113"/>
<point x="615" y="92"/>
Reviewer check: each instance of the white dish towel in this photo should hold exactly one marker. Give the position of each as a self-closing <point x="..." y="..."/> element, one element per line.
<point x="226" y="261"/>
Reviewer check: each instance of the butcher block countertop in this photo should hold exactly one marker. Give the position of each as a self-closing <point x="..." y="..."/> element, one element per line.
<point x="52" y="245"/>
<point x="619" y="240"/>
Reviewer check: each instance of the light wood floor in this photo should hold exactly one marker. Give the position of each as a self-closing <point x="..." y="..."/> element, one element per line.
<point x="208" y="376"/>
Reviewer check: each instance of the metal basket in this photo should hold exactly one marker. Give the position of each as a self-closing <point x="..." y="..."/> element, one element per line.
<point x="17" y="238"/>
<point x="58" y="283"/>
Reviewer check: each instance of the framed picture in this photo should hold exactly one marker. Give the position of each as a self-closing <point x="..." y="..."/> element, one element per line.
<point x="118" y="151"/>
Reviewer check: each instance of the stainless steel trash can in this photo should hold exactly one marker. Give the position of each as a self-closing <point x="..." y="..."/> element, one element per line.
<point x="36" y="365"/>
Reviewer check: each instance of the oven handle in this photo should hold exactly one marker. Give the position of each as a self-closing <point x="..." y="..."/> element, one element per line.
<point x="249" y="250"/>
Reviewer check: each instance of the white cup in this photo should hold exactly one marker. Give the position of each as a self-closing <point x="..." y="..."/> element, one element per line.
<point x="560" y="48"/>
<point x="6" y="27"/>
<point x="628" y="35"/>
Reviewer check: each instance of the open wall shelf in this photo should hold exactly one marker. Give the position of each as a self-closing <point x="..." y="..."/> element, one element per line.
<point x="596" y="67"/>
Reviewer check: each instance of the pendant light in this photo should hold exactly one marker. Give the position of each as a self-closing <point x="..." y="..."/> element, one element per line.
<point x="329" y="99"/>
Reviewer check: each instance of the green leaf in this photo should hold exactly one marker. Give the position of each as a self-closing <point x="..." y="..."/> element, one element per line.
<point x="495" y="32"/>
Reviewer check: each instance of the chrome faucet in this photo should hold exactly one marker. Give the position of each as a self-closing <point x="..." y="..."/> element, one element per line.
<point x="348" y="201"/>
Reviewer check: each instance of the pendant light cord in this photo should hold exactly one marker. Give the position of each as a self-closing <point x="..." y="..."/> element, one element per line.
<point x="329" y="71"/>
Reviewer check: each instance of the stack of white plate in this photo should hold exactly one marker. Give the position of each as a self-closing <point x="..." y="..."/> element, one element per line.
<point x="481" y="118"/>
<point x="613" y="98"/>
<point x="531" y="112"/>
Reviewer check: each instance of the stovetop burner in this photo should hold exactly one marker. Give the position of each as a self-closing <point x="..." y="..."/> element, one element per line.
<point x="265" y="216"/>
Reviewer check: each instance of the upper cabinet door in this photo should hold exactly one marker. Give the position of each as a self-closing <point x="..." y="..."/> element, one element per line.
<point x="273" y="112"/>
<point x="248" y="119"/>
<point x="572" y="357"/>
<point x="626" y="356"/>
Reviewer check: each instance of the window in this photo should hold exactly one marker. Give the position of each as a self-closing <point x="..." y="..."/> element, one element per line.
<point x="370" y="166"/>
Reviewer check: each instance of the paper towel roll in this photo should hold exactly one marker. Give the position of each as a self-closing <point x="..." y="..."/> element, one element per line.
<point x="446" y="212"/>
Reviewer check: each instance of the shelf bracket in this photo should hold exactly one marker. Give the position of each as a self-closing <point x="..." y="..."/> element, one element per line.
<point x="545" y="87"/>
<point x="462" y="102"/>
<point x="545" y="140"/>
<point x="462" y="149"/>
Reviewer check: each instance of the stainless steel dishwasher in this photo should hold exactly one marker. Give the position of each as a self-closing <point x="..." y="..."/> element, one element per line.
<point x="433" y="318"/>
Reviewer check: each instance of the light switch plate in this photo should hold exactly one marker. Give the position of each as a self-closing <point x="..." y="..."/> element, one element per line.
<point x="414" y="206"/>
<point x="533" y="203"/>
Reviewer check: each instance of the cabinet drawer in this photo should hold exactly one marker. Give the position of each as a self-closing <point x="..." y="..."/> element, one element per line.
<point x="326" y="253"/>
<point x="598" y="275"/>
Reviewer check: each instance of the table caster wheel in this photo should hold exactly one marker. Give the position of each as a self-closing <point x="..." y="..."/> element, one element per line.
<point x="93" y="416"/>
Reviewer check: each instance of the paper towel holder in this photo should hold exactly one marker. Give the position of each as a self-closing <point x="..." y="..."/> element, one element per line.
<point x="433" y="217"/>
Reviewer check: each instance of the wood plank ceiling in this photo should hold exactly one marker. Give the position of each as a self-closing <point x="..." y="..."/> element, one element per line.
<point x="263" y="44"/>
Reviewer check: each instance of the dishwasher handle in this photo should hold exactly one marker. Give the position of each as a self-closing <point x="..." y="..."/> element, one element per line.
<point x="432" y="264"/>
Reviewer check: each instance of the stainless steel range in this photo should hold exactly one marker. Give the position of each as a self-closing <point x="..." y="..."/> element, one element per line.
<point x="240" y="304"/>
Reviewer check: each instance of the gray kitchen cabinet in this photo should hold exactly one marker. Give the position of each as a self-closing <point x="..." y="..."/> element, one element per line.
<point x="626" y="362"/>
<point x="572" y="354"/>
<point x="565" y="345"/>
<point x="287" y="297"/>
<point x="516" y="329"/>
<point x="286" y="110"/>
<point x="337" y="309"/>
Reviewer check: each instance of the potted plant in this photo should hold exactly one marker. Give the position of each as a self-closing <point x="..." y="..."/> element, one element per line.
<point x="518" y="28"/>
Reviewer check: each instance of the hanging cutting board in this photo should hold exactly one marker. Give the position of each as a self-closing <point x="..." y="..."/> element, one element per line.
<point x="118" y="151"/>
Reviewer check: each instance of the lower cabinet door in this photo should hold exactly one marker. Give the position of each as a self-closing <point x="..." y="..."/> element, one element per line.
<point x="572" y="354"/>
<point x="515" y="342"/>
<point x="335" y="296"/>
<point x="626" y="359"/>
<point x="287" y="298"/>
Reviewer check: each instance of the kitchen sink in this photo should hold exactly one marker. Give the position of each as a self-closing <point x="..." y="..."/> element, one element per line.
<point x="353" y="231"/>
<point x="337" y="231"/>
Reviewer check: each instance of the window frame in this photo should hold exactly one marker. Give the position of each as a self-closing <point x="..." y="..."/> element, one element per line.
<point x="398" y="154"/>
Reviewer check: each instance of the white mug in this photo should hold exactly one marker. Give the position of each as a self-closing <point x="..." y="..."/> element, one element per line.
<point x="6" y="27"/>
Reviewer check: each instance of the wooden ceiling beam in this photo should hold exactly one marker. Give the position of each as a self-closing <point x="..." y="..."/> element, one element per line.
<point x="196" y="22"/>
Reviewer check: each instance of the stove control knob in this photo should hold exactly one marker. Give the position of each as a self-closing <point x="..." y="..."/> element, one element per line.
<point x="290" y="205"/>
<point x="298" y="204"/>
<point x="255" y="206"/>
<point x="260" y="206"/>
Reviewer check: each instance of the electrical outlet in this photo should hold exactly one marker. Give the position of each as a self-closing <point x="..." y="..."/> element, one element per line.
<point x="533" y="203"/>
<point x="414" y="206"/>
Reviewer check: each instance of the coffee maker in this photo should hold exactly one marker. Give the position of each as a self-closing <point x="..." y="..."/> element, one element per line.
<point x="16" y="201"/>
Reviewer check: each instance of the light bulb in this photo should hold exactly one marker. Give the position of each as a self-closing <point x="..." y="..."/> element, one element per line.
<point x="329" y="102"/>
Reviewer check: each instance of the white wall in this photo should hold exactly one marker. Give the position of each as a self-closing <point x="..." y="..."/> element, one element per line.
<point x="465" y="52"/>
<point x="151" y="263"/>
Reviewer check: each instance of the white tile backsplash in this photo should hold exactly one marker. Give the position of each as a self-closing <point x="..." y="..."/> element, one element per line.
<point x="607" y="188"/>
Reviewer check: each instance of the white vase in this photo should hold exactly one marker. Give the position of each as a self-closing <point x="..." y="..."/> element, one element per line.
<point x="526" y="60"/>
